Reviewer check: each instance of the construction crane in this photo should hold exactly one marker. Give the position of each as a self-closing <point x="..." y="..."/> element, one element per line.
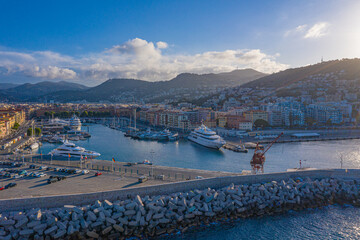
<point x="258" y="159"/>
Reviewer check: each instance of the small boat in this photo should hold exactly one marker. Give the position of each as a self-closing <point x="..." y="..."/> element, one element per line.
<point x="147" y="162"/>
<point x="241" y="148"/>
<point x="34" y="146"/>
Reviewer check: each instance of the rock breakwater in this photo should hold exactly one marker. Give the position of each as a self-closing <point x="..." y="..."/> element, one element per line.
<point x="151" y="216"/>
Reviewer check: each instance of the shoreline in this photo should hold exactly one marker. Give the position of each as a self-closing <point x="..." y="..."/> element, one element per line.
<point x="170" y="208"/>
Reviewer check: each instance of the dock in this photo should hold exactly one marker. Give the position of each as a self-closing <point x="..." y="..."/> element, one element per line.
<point x="311" y="139"/>
<point x="232" y="146"/>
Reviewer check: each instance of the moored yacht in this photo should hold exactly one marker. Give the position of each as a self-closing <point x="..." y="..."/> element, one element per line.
<point x="74" y="151"/>
<point x="75" y="123"/>
<point x="206" y="137"/>
<point x="34" y="146"/>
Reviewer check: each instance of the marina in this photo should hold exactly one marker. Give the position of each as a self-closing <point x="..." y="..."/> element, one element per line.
<point x="185" y="154"/>
<point x="168" y="162"/>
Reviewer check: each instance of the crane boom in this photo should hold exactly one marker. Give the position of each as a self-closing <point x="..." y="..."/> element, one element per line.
<point x="258" y="159"/>
<point x="270" y="144"/>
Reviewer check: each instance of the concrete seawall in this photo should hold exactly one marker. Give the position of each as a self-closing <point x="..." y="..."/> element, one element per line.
<point x="164" y="189"/>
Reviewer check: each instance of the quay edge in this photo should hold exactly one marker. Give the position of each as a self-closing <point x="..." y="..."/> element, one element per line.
<point x="153" y="215"/>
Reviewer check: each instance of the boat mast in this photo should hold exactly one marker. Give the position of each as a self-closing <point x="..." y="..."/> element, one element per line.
<point x="135" y="119"/>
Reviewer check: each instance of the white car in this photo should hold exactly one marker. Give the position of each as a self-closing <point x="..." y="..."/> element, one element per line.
<point x="199" y="177"/>
<point x="78" y="171"/>
<point x="39" y="175"/>
<point x="85" y="171"/>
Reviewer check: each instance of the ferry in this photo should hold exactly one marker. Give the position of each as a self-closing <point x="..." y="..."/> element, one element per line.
<point x="70" y="149"/>
<point x="206" y="137"/>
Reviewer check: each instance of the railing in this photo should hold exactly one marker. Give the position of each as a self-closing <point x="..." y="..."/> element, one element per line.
<point x="123" y="170"/>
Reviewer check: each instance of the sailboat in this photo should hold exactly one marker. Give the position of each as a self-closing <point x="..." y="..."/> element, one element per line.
<point x="34" y="145"/>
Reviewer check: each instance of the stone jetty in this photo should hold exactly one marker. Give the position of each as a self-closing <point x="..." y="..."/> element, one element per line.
<point x="150" y="216"/>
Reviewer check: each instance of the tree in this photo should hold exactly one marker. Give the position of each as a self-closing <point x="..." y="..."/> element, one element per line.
<point x="329" y="122"/>
<point x="309" y="121"/>
<point x="30" y="132"/>
<point x="16" y="126"/>
<point x="84" y="114"/>
<point x="261" y="123"/>
<point x="37" y="131"/>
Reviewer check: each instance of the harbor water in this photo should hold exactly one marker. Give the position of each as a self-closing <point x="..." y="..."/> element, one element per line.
<point x="333" y="222"/>
<point x="112" y="143"/>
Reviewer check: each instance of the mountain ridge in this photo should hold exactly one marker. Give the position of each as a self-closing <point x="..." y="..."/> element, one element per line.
<point x="281" y="79"/>
<point x="119" y="90"/>
<point x="28" y="91"/>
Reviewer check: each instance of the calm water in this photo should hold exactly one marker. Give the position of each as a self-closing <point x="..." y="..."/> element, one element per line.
<point x="111" y="143"/>
<point x="332" y="222"/>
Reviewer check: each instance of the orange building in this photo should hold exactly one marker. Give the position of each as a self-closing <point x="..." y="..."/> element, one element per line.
<point x="233" y="121"/>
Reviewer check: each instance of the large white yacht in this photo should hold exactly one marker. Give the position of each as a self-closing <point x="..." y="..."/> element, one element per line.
<point x="74" y="151"/>
<point x="206" y="137"/>
<point x="75" y="123"/>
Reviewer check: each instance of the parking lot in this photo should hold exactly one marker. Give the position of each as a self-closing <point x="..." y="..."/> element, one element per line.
<point x="37" y="184"/>
<point x="28" y="186"/>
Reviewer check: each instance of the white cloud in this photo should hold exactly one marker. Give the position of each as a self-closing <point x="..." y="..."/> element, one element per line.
<point x="317" y="30"/>
<point x="299" y="29"/>
<point x="161" y="44"/>
<point x="136" y="58"/>
<point x="51" y="72"/>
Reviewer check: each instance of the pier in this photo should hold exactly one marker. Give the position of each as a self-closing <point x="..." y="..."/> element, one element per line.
<point x="319" y="139"/>
<point x="146" y="212"/>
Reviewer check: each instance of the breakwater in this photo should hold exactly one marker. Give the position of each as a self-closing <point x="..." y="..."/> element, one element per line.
<point x="152" y="215"/>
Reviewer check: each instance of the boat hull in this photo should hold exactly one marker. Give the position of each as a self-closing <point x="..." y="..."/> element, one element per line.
<point x="208" y="144"/>
<point x="34" y="146"/>
<point x="72" y="155"/>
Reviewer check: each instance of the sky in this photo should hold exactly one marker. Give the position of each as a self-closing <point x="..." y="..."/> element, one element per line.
<point x="89" y="41"/>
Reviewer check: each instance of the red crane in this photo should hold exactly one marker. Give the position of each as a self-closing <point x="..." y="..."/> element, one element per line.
<point x="258" y="159"/>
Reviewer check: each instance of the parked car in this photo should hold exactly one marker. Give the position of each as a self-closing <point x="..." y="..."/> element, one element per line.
<point x="199" y="177"/>
<point x="61" y="178"/>
<point x="32" y="166"/>
<point x="10" y="185"/>
<point x="2" y="188"/>
<point x="52" y="180"/>
<point x="142" y="179"/>
<point x="160" y="177"/>
<point x="98" y="173"/>
<point x="85" y="171"/>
